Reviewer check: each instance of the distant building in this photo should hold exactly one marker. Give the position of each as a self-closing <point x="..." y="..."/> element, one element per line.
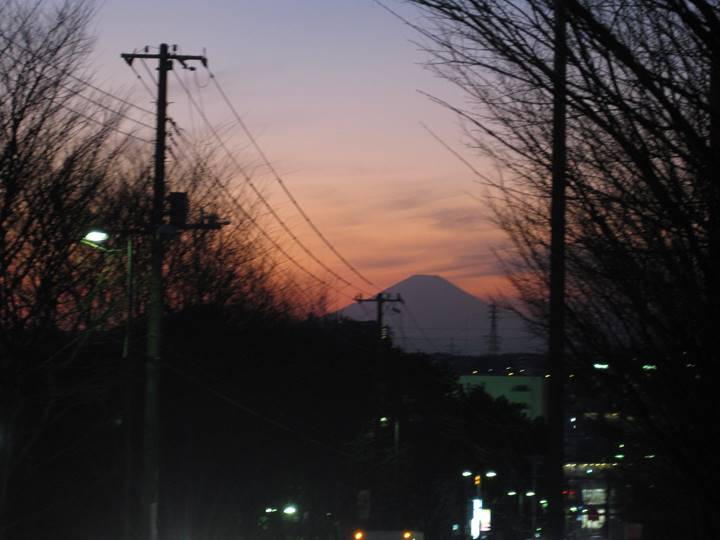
<point x="526" y="390"/>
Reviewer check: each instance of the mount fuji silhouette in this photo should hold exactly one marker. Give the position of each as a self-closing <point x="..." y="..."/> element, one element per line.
<point x="439" y="317"/>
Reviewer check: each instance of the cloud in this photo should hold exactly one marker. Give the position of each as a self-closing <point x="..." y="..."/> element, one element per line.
<point x="467" y="218"/>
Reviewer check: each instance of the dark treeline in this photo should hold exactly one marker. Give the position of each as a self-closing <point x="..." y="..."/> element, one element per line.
<point x="643" y="235"/>
<point x="261" y="404"/>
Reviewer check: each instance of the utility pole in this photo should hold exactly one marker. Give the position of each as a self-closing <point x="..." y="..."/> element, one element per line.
<point x="151" y="429"/>
<point x="380" y="299"/>
<point x="556" y="414"/>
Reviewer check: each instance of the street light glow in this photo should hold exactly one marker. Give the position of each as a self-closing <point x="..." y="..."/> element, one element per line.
<point x="466" y="473"/>
<point x="530" y="494"/>
<point x="512" y="493"/>
<point x="96" y="236"/>
<point x="491" y="474"/>
<point x="289" y="510"/>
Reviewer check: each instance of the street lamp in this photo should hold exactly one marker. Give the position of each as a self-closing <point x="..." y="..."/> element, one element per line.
<point x="95" y="238"/>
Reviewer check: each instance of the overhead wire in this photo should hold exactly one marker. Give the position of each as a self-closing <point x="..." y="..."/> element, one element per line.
<point x="257" y="192"/>
<point x="419" y="328"/>
<point x="233" y="199"/>
<point x="253" y="221"/>
<point x="280" y="181"/>
<point x="80" y="79"/>
<point x="79" y="94"/>
<point x="197" y="381"/>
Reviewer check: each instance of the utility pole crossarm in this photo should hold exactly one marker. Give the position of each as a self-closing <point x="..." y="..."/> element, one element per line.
<point x="380" y="299"/>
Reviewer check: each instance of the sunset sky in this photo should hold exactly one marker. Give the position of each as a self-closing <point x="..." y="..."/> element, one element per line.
<point x="331" y="90"/>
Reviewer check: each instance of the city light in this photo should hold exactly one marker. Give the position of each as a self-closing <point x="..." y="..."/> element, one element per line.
<point x="466" y="473"/>
<point x="491" y="474"/>
<point x="601" y="366"/>
<point x="290" y="510"/>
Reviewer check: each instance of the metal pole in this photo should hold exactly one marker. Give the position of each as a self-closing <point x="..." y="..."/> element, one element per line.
<point x="556" y="420"/>
<point x="129" y="367"/>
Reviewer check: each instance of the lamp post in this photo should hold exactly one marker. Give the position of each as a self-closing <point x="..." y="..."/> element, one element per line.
<point x="95" y="238"/>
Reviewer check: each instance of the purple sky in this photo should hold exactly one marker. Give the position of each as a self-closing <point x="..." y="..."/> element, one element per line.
<point x="330" y="89"/>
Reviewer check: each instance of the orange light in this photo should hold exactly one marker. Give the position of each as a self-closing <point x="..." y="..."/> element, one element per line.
<point x="407" y="534"/>
<point x="477" y="479"/>
<point x="359" y="535"/>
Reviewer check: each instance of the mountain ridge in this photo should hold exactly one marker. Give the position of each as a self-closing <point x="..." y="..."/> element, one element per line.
<point x="439" y="317"/>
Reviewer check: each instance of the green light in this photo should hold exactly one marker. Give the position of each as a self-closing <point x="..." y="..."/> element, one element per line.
<point x="601" y="366"/>
<point x="290" y="510"/>
<point x="619" y="456"/>
<point x="649" y="367"/>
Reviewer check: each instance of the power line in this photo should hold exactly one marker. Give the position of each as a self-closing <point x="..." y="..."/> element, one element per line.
<point x="419" y="328"/>
<point x="233" y="199"/>
<point x="196" y="380"/>
<point x="280" y="181"/>
<point x="257" y="192"/>
<point x="79" y="79"/>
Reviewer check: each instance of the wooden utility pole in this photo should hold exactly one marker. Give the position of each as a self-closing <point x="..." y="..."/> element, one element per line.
<point x="151" y="429"/>
<point x="556" y="410"/>
<point x="380" y="299"/>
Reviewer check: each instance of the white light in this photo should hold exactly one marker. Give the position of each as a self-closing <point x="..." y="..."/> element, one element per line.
<point x="589" y="471"/>
<point x="289" y="510"/>
<point x="466" y="473"/>
<point x="573" y="419"/>
<point x="476" y="519"/>
<point x="512" y="493"/>
<point x="96" y="236"/>
<point x="649" y="367"/>
<point x="530" y="494"/>
<point x="491" y="474"/>
<point x="601" y="366"/>
<point x="270" y="510"/>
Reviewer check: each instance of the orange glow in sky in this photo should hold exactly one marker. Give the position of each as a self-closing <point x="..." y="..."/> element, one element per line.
<point x="330" y="89"/>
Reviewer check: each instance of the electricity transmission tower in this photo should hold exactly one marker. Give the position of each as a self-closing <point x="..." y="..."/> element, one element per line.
<point x="493" y="339"/>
